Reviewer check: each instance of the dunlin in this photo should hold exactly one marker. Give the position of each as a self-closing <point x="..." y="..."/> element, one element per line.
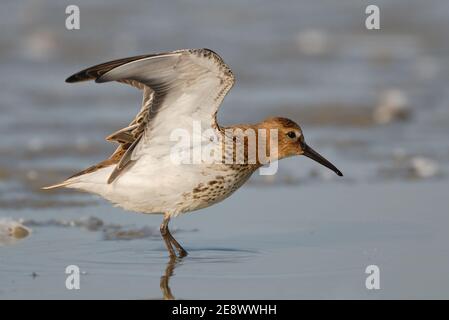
<point x="180" y="89"/>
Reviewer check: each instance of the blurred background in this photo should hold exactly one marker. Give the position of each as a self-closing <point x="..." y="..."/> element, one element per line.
<point x="374" y="102"/>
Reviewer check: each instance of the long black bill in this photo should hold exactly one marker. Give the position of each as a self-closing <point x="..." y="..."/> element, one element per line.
<point x="312" y="154"/>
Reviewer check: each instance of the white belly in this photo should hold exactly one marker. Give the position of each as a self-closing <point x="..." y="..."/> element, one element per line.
<point x="151" y="186"/>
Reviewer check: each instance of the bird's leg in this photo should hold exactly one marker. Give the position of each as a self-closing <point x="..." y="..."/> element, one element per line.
<point x="169" y="239"/>
<point x="181" y="250"/>
<point x="164" y="233"/>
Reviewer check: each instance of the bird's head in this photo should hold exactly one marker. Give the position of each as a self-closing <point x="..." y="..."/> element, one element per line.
<point x="291" y="141"/>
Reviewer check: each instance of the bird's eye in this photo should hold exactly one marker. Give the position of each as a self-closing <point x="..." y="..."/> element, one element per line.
<point x="291" y="134"/>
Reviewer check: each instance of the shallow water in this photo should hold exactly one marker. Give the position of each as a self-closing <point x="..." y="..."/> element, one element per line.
<point x="303" y="233"/>
<point x="250" y="248"/>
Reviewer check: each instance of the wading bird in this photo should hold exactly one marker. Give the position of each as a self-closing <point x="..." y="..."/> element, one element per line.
<point x="179" y="88"/>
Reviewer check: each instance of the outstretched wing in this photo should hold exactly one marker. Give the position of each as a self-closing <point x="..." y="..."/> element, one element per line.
<point x="179" y="87"/>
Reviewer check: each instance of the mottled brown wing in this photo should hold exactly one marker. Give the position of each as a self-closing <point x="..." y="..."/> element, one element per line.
<point x="186" y="85"/>
<point x="125" y="137"/>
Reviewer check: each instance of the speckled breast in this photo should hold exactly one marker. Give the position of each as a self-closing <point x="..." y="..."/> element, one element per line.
<point x="226" y="180"/>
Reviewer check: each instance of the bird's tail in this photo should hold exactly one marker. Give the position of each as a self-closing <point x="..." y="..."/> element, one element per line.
<point x="58" y="185"/>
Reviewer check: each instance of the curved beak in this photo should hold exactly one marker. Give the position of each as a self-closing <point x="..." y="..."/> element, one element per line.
<point x="312" y="154"/>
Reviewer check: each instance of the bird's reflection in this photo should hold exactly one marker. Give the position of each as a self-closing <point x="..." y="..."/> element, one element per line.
<point x="172" y="263"/>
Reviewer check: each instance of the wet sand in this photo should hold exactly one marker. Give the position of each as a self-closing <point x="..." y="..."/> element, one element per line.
<point x="311" y="249"/>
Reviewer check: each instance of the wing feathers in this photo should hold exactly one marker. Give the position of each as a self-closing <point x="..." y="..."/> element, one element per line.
<point x="124" y="162"/>
<point x="122" y="136"/>
<point x="97" y="71"/>
<point x="184" y="83"/>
